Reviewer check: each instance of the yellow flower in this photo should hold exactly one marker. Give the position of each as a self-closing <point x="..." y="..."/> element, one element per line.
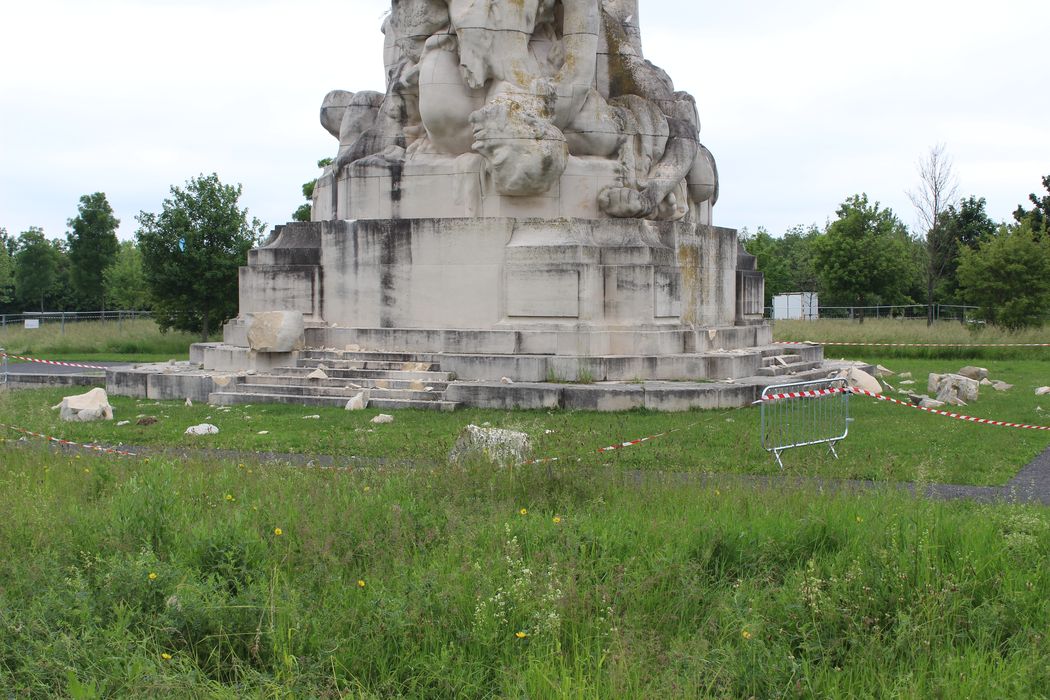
<point x="860" y="519"/>
<point x="524" y="511"/>
<point x="360" y="583"/>
<point x="278" y="531"/>
<point x="520" y="635"/>
<point x="229" y="497"/>
<point x="717" y="492"/>
<point x="86" y="470"/>
<point x="153" y="576"/>
<point x="745" y="634"/>
<point x="367" y="489"/>
<point x="166" y="656"/>
<point x="556" y="519"/>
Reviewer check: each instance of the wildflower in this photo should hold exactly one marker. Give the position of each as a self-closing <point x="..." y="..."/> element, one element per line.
<point x="367" y="489"/>
<point x="745" y="634"/>
<point x="229" y="497"/>
<point x="278" y="531"/>
<point x="86" y="470"/>
<point x="153" y="576"/>
<point x="520" y="635"/>
<point x="860" y="519"/>
<point x="166" y="656"/>
<point x="360" y="583"/>
<point x="717" y="492"/>
<point x="524" y="511"/>
<point x="556" y="519"/>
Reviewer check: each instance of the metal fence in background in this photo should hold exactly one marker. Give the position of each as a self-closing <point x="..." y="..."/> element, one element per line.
<point x="64" y="317"/>
<point x="917" y="312"/>
<point x="813" y="420"/>
<point x="3" y="366"/>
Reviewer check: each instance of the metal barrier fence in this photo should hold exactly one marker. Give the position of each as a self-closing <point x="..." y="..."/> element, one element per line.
<point x="910" y="312"/>
<point x="814" y="420"/>
<point x="64" y="317"/>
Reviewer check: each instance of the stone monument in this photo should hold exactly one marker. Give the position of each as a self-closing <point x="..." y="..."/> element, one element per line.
<point x="526" y="200"/>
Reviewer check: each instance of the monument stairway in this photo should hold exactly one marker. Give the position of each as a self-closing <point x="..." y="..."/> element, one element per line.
<point x="786" y="363"/>
<point x="392" y="380"/>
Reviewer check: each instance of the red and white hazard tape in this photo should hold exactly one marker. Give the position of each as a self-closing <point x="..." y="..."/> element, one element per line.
<point x="51" y="362"/>
<point x="881" y="397"/>
<point x="862" y="343"/>
<point x="69" y="443"/>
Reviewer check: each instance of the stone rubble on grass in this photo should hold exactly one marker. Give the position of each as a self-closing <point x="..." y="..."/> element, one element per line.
<point x="1002" y="386"/>
<point x="881" y="372"/>
<point x="263" y="432"/>
<point x="859" y="379"/>
<point x="202" y="429"/>
<point x="904" y="375"/>
<point x="927" y="402"/>
<point x="123" y="422"/>
<point x="383" y="418"/>
<point x="358" y="402"/>
<point x="986" y="382"/>
<point x="977" y="373"/>
<point x="313" y="417"/>
<point x="953" y="386"/>
<point x="1042" y="391"/>
<point x="92" y="406"/>
<point x="189" y="402"/>
<point x="908" y="382"/>
<point x="504" y="447"/>
<point x="146" y="420"/>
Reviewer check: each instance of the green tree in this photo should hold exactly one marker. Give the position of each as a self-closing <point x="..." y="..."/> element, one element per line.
<point x="787" y="261"/>
<point x="1038" y="217"/>
<point x="1008" y="276"/>
<point x="304" y="211"/>
<point x="92" y="248"/>
<point x="125" y="280"/>
<point x="37" y="265"/>
<point x="962" y="226"/>
<point x="865" y="257"/>
<point x="191" y="252"/>
<point x="7" y="271"/>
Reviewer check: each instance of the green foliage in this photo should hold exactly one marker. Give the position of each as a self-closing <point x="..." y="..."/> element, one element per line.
<point x="961" y="227"/>
<point x="126" y="281"/>
<point x="1008" y="275"/>
<point x="866" y="256"/>
<point x="304" y="211"/>
<point x="1038" y="218"/>
<point x="191" y="252"/>
<point x="787" y="262"/>
<point x="92" y="248"/>
<point x="7" y="271"/>
<point x="38" y="266"/>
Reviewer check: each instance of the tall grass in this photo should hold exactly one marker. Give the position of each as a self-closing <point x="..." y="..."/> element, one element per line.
<point x="915" y="331"/>
<point x="169" y="579"/>
<point x="96" y="339"/>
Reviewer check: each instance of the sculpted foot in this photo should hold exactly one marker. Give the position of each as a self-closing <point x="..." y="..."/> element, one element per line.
<point x="626" y="203"/>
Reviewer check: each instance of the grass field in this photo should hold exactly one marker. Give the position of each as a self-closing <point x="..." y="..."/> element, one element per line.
<point x="598" y="576"/>
<point x="133" y="341"/>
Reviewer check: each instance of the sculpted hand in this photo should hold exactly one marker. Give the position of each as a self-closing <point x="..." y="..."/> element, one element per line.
<point x="626" y="203"/>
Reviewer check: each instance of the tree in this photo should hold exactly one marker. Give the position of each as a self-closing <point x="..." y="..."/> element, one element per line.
<point x="92" y="248"/>
<point x="304" y="211"/>
<point x="7" y="271"/>
<point x="1008" y="275"/>
<point x="963" y="226"/>
<point x="125" y="280"/>
<point x="787" y="261"/>
<point x="191" y="252"/>
<point x="864" y="258"/>
<point x="36" y="268"/>
<point x="935" y="194"/>
<point x="1039" y="217"/>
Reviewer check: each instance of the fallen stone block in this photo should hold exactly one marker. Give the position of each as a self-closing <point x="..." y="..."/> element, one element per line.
<point x="358" y="401"/>
<point x="317" y="374"/>
<point x="382" y="419"/>
<point x="859" y="379"/>
<point x="1002" y="386"/>
<point x="971" y="372"/>
<point x="503" y="447"/>
<point x="276" y="331"/>
<point x="92" y="406"/>
<point x="881" y="372"/>
<point x="1042" y="391"/>
<point x="927" y="402"/>
<point x="202" y="429"/>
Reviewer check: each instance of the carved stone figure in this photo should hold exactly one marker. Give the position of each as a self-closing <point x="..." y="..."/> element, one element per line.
<point x="526" y="85"/>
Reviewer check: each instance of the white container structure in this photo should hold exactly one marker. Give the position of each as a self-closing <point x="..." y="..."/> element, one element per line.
<point x="795" y="306"/>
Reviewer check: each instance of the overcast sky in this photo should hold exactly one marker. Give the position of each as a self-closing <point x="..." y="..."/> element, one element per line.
<point x="802" y="103"/>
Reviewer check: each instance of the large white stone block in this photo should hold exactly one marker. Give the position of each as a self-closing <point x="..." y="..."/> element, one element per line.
<point x="275" y="331"/>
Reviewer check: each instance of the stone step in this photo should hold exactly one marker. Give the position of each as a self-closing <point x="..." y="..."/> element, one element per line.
<point x="352" y="374"/>
<point x="362" y="355"/>
<point x="231" y="398"/>
<point x="780" y="360"/>
<point x="789" y="370"/>
<point x="307" y="390"/>
<point x="332" y="363"/>
<point x="358" y="383"/>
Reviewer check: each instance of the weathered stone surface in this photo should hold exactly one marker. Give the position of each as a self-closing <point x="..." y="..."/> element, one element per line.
<point x="881" y="372"/>
<point x="382" y="419"/>
<point x="317" y="374"/>
<point x="90" y="406"/>
<point x="971" y="372"/>
<point x="358" y="402"/>
<point x="955" y="386"/>
<point x="931" y="403"/>
<point x="504" y="447"/>
<point x="202" y="429"/>
<point x="1002" y="386"/>
<point x="275" y="331"/>
<point x="1042" y="391"/>
<point x="859" y="379"/>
